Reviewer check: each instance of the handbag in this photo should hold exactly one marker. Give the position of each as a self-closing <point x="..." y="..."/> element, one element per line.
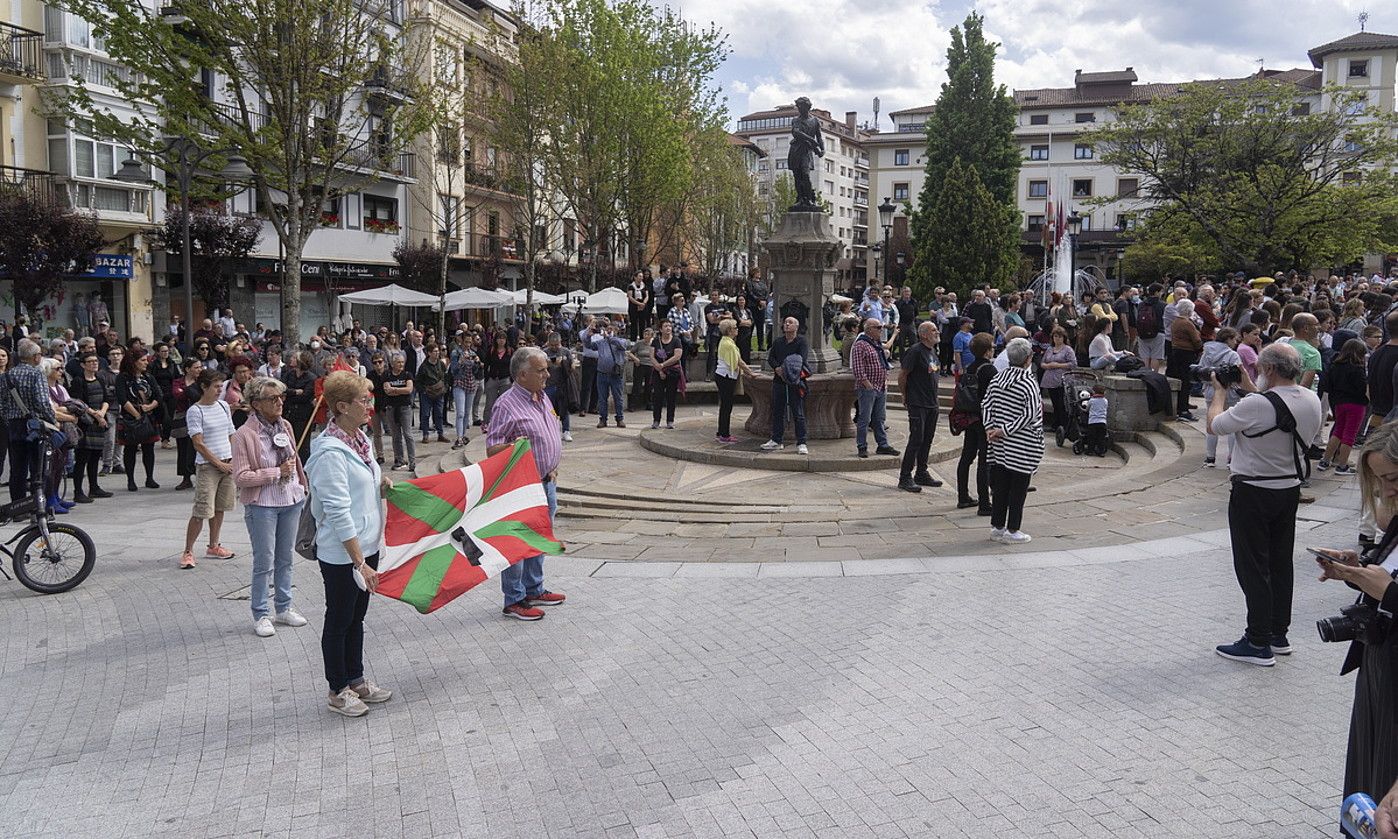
<point x="961" y="420"/>
<point x="179" y="427"/>
<point x="133" y="430"/>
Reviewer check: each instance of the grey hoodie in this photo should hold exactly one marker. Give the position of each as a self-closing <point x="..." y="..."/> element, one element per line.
<point x="1218" y="354"/>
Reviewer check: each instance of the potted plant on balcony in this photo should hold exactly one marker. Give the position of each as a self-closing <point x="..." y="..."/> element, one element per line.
<point x="376" y="225"/>
<point x="329" y="219"/>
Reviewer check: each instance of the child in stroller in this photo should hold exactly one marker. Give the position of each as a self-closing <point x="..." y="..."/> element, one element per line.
<point x="1086" y="420"/>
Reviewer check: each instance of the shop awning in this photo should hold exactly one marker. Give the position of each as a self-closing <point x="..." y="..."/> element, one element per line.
<point x="390" y="295"/>
<point x="476" y="298"/>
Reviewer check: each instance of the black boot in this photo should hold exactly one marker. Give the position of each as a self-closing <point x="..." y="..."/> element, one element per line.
<point x="907" y="485"/>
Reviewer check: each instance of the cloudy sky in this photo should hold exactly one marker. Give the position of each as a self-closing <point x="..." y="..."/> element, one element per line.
<point x="843" y="53"/>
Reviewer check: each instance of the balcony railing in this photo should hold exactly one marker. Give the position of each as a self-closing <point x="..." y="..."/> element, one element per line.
<point x="488" y="246"/>
<point x="21" y="60"/>
<point x="485" y="176"/>
<point x="38" y="184"/>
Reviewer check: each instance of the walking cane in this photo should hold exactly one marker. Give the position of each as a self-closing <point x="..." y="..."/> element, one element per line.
<point x="310" y="422"/>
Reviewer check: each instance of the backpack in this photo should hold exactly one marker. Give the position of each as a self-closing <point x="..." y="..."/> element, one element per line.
<point x="967" y="398"/>
<point x="306" y="532"/>
<point x="1148" y="321"/>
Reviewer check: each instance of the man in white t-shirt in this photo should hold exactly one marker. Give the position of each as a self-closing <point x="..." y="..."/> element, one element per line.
<point x="210" y="425"/>
<point x="1267" y="466"/>
<point x="229" y="323"/>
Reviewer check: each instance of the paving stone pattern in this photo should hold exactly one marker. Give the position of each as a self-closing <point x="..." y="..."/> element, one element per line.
<point x="1076" y="699"/>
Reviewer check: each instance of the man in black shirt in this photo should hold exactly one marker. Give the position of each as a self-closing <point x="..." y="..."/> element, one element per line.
<point x="907" y="320"/>
<point x="756" y="291"/>
<point x="979" y="311"/>
<point x="787" y="388"/>
<point x="1381" y="364"/>
<point x="917" y="381"/>
<point x="714" y="311"/>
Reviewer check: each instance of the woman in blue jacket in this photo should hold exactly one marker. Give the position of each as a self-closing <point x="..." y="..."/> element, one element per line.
<point x="346" y="483"/>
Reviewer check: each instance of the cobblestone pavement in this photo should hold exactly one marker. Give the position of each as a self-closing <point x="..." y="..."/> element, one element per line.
<point x="1042" y="694"/>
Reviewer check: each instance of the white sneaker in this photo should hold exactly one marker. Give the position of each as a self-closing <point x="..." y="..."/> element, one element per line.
<point x="348" y="703"/>
<point x="1015" y="537"/>
<point x="772" y="446"/>
<point x="263" y="627"/>
<point x="567" y="436"/>
<point x="291" y="617"/>
<point x="997" y="534"/>
<point x="801" y="449"/>
<point x="368" y="692"/>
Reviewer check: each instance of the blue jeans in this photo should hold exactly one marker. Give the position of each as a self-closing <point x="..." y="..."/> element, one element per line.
<point x="430" y="412"/>
<point x="552" y="393"/>
<point x="273" y="534"/>
<point x="782" y="396"/>
<point x="610" y="383"/>
<point x="870" y="411"/>
<point x="526" y="577"/>
<point x="462" y="400"/>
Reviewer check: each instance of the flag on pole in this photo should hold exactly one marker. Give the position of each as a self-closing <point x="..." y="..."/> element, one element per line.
<point x="1046" y="234"/>
<point x="447" y="533"/>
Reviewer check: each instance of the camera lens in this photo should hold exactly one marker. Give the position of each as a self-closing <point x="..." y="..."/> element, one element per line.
<point x="1336" y="629"/>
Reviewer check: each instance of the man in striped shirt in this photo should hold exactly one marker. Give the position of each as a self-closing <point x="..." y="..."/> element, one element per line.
<point x="525" y="411"/>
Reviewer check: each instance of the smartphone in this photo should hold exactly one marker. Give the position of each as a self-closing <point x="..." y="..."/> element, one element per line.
<point x="1327" y="558"/>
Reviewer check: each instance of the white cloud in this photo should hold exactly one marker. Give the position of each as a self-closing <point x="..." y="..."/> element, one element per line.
<point x="843" y="53"/>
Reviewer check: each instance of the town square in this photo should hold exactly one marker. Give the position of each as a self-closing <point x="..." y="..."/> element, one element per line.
<point x="599" y="418"/>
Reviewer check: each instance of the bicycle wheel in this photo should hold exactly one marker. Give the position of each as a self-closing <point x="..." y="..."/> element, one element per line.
<point x="55" y="564"/>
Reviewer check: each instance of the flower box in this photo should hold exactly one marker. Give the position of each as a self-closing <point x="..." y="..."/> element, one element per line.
<point x="374" y="225"/>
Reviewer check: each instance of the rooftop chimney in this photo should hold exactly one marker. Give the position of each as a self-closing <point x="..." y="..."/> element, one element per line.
<point x="850" y="117"/>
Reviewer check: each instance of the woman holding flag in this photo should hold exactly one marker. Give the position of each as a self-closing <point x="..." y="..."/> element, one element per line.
<point x="349" y="530"/>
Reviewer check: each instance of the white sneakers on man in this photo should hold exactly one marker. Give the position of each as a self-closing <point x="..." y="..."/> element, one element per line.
<point x="347" y="703"/>
<point x="997" y="534"/>
<point x="263" y="627"/>
<point x="772" y="446"/>
<point x="1009" y="537"/>
<point x="801" y="449"/>
<point x="290" y="617"/>
<point x="567" y="436"/>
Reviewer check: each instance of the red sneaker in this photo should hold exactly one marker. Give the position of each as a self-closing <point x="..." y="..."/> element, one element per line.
<point x="546" y="598"/>
<point x="523" y="611"/>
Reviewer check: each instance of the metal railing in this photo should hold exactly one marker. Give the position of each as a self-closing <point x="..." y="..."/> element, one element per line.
<point x="23" y="56"/>
<point x="38" y="184"/>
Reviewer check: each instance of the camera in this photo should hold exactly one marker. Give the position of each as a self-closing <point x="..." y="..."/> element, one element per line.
<point x="1227" y="374"/>
<point x="1352" y="622"/>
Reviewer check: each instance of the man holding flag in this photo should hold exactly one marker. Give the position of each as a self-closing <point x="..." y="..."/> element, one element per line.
<point x="524" y="411"/>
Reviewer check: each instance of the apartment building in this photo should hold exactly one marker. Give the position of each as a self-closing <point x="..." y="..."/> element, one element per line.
<point x="1052" y="122"/>
<point x="841" y="177"/>
<point x="64" y="162"/>
<point x="460" y="201"/>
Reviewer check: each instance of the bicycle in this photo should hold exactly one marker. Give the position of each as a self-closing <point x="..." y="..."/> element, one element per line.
<point x="50" y="557"/>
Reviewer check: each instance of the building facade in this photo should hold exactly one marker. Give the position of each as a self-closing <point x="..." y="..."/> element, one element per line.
<point x="61" y="160"/>
<point x="1057" y="164"/>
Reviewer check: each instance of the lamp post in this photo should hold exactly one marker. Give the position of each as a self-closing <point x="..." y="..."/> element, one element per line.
<point x="901" y="258"/>
<point x="877" y="250"/>
<point x="1074" y="228"/>
<point x="189" y="156"/>
<point x="886" y="211"/>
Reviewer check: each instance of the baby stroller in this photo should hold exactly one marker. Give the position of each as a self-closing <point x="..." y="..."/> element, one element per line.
<point x="1077" y="390"/>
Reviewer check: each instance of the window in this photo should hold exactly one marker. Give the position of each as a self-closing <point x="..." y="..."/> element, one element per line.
<point x="1350" y="178"/>
<point x="1358" y="68"/>
<point x="1038" y="119"/>
<point x="1353" y="147"/>
<point x="1127" y="187"/>
<point x="1082" y="188"/>
<point x="569" y="234"/>
<point x="829" y="167"/>
<point x="1301" y="109"/>
<point x="449" y="142"/>
<point x="1125" y="221"/>
<point x="1038" y="189"/>
<point x="53" y="24"/>
<point x="1038" y="152"/>
<point x="829" y="187"/>
<point x="377" y="208"/>
<point x="900" y="157"/>
<point x="449" y="215"/>
<point x="1086" y="222"/>
<point x="1082" y="152"/>
<point x="83" y="159"/>
<point x="781" y="164"/>
<point x="900" y="192"/>
<point x="1035" y="224"/>
<point x="1084" y="116"/>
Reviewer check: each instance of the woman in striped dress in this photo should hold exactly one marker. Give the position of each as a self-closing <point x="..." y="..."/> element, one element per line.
<point x="1012" y="412"/>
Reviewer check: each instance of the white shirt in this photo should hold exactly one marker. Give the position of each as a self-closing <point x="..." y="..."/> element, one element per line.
<point x="230" y="327"/>
<point x="215" y="422"/>
<point x="1271" y="454"/>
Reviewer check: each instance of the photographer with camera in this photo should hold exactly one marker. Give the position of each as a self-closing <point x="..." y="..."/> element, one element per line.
<point x="1272" y="432"/>
<point x="1371" y="762"/>
<point x="1221" y="359"/>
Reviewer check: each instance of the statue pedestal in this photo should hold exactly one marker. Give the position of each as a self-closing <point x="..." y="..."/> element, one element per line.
<point x="829" y="407"/>
<point x="802" y="253"/>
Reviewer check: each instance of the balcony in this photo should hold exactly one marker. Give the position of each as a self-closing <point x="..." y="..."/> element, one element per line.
<point x="21" y="63"/>
<point x="483" y="176"/>
<point x="380" y="86"/>
<point x="115" y="203"/>
<point x="376" y="157"/>
<point x="38" y="184"/>
<point x="862" y="161"/>
<point x="861" y="200"/>
<point x="486" y="246"/>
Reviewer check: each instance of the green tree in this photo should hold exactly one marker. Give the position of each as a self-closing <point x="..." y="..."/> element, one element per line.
<point x="215" y="239"/>
<point x="723" y="212"/>
<point x="317" y="95"/>
<point x="973" y="127"/>
<point x="966" y="250"/>
<point x="1246" y="175"/>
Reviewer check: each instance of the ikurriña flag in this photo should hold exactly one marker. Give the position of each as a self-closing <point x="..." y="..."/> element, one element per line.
<point x="445" y="534"/>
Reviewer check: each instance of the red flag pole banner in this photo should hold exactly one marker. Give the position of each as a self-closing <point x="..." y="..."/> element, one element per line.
<point x="447" y="533"/>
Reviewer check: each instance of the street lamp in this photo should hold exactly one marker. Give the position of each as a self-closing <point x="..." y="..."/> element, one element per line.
<point x="877" y="250"/>
<point x="886" y="211"/>
<point x="901" y="257"/>
<point x="1074" y="228"/>
<point x="189" y="156"/>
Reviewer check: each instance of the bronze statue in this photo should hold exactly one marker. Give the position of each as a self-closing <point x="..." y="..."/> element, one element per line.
<point x="806" y="146"/>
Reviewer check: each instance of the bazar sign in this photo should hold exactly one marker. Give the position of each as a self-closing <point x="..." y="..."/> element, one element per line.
<point x="105" y="266"/>
<point x="338" y="270"/>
